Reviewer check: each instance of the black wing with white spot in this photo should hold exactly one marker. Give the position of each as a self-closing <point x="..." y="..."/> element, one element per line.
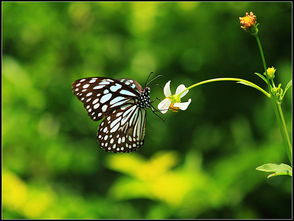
<point x="132" y="83"/>
<point x="101" y="96"/>
<point x="123" y="130"/>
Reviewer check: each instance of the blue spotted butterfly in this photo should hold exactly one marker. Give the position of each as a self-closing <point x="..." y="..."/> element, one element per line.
<point x="122" y="103"/>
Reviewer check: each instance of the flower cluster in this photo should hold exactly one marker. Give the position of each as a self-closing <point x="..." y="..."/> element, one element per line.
<point x="278" y="92"/>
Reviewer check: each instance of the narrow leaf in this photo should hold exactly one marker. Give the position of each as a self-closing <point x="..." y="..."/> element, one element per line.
<point x="250" y="85"/>
<point x="262" y="77"/>
<point x="287" y="87"/>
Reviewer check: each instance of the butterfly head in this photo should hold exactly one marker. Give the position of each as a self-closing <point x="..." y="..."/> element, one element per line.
<point x="144" y="99"/>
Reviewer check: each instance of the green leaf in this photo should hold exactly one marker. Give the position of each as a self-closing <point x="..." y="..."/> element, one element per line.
<point x="247" y="84"/>
<point x="277" y="169"/>
<point x="287" y="87"/>
<point x="250" y="84"/>
<point x="262" y="77"/>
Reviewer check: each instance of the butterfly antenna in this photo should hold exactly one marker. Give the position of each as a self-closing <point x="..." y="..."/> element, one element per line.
<point x="155" y="100"/>
<point x="158" y="76"/>
<point x="148" y="79"/>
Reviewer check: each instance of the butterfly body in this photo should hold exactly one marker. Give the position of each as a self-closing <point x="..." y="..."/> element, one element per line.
<point x="121" y="104"/>
<point x="144" y="98"/>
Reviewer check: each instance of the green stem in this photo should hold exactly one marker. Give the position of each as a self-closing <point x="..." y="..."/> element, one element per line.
<point x="261" y="52"/>
<point x="284" y="131"/>
<point x="238" y="80"/>
<point x="277" y="105"/>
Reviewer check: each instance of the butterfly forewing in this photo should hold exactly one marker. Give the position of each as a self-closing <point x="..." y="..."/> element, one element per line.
<point x="101" y="96"/>
<point x="132" y="83"/>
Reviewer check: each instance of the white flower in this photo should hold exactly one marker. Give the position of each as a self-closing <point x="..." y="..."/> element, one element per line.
<point x="173" y="102"/>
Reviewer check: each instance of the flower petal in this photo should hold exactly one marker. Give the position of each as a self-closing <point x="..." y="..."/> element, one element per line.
<point x="164" y="105"/>
<point x="166" y="89"/>
<point x="181" y="88"/>
<point x="183" y="105"/>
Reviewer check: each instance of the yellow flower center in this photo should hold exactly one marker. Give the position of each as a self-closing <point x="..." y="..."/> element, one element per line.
<point x="175" y="98"/>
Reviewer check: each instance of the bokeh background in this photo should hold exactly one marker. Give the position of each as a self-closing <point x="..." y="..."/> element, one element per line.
<point x="199" y="163"/>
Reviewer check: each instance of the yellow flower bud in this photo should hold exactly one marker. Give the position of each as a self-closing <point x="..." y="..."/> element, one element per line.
<point x="248" y="21"/>
<point x="271" y="72"/>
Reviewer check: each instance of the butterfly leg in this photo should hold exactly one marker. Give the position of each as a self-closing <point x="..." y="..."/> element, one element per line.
<point x="154" y="110"/>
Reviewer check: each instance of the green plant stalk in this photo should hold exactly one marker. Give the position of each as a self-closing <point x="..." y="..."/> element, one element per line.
<point x="261" y="52"/>
<point x="277" y="106"/>
<point x="239" y="80"/>
<point x="285" y="132"/>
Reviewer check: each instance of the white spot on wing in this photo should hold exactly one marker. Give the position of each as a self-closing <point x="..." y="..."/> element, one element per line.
<point x="105" y="98"/>
<point x="117" y="99"/>
<point x="93" y="80"/>
<point x="96" y="106"/>
<point x="115" y="122"/>
<point x="95" y="101"/>
<point x="98" y="87"/>
<point x="114" y="128"/>
<point x="125" y="92"/>
<point x="115" y="87"/>
<point x="119" y="103"/>
<point x="104" y="107"/>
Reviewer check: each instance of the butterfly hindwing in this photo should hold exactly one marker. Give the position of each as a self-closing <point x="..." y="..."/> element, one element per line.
<point x="123" y="130"/>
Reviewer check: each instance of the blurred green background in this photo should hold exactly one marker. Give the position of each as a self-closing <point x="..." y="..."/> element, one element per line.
<point x="199" y="163"/>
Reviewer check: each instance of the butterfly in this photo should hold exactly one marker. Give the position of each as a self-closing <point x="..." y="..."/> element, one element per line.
<point x="122" y="104"/>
